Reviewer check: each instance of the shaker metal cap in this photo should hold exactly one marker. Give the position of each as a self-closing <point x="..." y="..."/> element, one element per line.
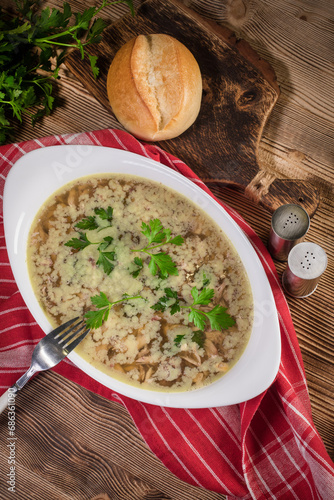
<point x="289" y="224"/>
<point x="306" y="263"/>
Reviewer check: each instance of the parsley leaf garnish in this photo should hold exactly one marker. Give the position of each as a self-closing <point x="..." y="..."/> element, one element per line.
<point x="105" y="214"/>
<point x="79" y="243"/>
<point x="106" y="257"/>
<point x="140" y="265"/>
<point x="169" y="300"/>
<point x="198" y="337"/>
<point x="163" y="263"/>
<point x="105" y="243"/>
<point x="156" y="233"/>
<point x="94" y="319"/>
<point x="203" y="297"/>
<point x="87" y="223"/>
<point x="206" y="280"/>
<point x="197" y="317"/>
<point x="177" y="340"/>
<point x="217" y="316"/>
<point x="158" y="236"/>
<point x="153" y="231"/>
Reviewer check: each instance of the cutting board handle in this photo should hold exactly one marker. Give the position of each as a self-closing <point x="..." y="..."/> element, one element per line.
<point x="271" y="192"/>
<point x="239" y="93"/>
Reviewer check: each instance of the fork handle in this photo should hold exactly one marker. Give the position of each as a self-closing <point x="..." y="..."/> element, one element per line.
<point x="8" y="398"/>
<point x="21" y="382"/>
<point x="4" y="401"/>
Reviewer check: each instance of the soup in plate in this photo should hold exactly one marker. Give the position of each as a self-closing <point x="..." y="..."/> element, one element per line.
<point x="161" y="286"/>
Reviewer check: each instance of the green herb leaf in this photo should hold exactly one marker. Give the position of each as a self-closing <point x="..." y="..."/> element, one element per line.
<point x="79" y="243"/>
<point x="95" y="69"/>
<point x="105" y="261"/>
<point x="204" y="297"/>
<point x="153" y="231"/>
<point x="88" y="223"/>
<point x="171" y="294"/>
<point x="175" y="308"/>
<point x="198" y="337"/>
<point x="100" y="300"/>
<point x="169" y="300"/>
<point x="219" y="318"/>
<point x="164" y="263"/>
<point x="95" y="319"/>
<point x="105" y="243"/>
<point x="138" y="261"/>
<point x="105" y="214"/>
<point x="95" y="31"/>
<point x="206" y="280"/>
<point x="198" y="318"/>
<point x="156" y="233"/>
<point x="178" y="240"/>
<point x="157" y="236"/>
<point x="106" y="258"/>
<point x="140" y="265"/>
<point x="178" y="339"/>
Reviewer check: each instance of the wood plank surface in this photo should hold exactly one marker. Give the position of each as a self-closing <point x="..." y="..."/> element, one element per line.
<point x="239" y="93"/>
<point x="296" y="38"/>
<point x="81" y="446"/>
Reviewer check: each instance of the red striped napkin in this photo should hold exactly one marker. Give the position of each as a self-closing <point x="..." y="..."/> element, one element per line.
<point x="264" y="448"/>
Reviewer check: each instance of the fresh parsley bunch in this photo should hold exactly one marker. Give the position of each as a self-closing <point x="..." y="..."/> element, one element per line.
<point x="33" y="44"/>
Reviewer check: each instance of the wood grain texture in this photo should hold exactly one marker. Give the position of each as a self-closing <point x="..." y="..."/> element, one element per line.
<point x="296" y="38"/>
<point x="313" y="317"/>
<point x="81" y="445"/>
<point x="239" y="92"/>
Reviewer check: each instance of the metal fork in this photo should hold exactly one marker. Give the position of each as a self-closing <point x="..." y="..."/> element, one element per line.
<point x="52" y="349"/>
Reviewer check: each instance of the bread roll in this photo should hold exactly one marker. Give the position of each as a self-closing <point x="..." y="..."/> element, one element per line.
<point x="155" y="87"/>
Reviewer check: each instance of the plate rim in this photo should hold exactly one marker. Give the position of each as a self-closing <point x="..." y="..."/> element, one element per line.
<point x="62" y="152"/>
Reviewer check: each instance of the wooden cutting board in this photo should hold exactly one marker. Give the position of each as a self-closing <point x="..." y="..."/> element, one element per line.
<point x="239" y="93"/>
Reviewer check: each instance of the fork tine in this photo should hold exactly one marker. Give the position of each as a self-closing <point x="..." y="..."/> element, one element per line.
<point x="77" y="341"/>
<point x="70" y="334"/>
<point x="53" y="348"/>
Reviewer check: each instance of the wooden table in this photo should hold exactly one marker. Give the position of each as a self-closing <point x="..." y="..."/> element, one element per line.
<point x="76" y="445"/>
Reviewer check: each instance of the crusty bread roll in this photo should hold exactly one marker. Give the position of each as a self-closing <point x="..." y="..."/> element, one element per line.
<point x="155" y="87"/>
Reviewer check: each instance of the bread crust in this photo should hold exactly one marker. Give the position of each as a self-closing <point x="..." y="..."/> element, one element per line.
<point x="154" y="87"/>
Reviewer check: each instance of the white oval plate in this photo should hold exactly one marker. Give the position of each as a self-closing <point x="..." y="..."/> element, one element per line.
<point x="34" y="178"/>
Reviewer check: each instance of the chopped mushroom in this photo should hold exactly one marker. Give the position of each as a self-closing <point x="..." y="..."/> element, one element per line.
<point x="149" y="373"/>
<point x="118" y="368"/>
<point x="141" y="341"/>
<point x="210" y="348"/>
<point x="198" y="378"/>
<point x="222" y="367"/>
<point x="192" y="357"/>
<point x="145" y="359"/>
